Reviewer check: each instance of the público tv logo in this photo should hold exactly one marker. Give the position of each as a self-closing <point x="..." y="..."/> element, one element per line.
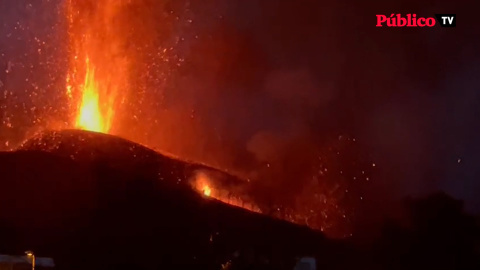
<point x="411" y="20"/>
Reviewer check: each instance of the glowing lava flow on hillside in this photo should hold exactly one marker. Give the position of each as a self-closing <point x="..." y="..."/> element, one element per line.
<point x="204" y="185"/>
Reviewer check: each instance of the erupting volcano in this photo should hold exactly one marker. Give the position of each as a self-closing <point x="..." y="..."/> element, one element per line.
<point x="123" y="77"/>
<point x="99" y="71"/>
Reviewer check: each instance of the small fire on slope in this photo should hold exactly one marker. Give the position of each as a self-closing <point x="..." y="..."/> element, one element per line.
<point x="207" y="191"/>
<point x="209" y="188"/>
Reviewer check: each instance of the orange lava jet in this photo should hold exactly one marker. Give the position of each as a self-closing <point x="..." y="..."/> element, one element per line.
<point x="90" y="116"/>
<point x="99" y="64"/>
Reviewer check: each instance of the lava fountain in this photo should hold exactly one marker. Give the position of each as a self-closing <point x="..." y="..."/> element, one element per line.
<point x="90" y="116"/>
<point x="98" y="75"/>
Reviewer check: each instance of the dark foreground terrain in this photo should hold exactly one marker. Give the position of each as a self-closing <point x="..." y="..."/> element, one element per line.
<point x="93" y="201"/>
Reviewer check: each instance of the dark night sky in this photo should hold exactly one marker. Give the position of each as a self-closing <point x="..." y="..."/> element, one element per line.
<point x="410" y="95"/>
<point x="318" y="69"/>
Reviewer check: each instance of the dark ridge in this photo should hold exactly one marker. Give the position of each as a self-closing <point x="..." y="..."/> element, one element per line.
<point x="91" y="147"/>
<point x="119" y="153"/>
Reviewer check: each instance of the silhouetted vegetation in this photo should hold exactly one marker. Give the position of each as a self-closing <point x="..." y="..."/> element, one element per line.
<point x="437" y="234"/>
